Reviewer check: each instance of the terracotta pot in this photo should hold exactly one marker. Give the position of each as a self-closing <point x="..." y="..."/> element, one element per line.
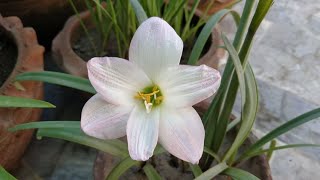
<point x="217" y="6"/>
<point x="172" y="168"/>
<point x="29" y="58"/>
<point x="46" y="16"/>
<point x="70" y="62"/>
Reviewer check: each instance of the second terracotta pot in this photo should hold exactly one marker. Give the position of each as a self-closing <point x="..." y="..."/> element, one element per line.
<point x="72" y="63"/>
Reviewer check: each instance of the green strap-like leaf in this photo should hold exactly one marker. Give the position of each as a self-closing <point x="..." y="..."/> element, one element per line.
<point x="212" y="172"/>
<point x="259" y="152"/>
<point x="304" y="118"/>
<point x="71" y="131"/>
<point x="11" y="101"/>
<point x="59" y="79"/>
<point x="196" y="170"/>
<point x="151" y="173"/>
<point x="140" y="13"/>
<point x="248" y="114"/>
<point x="122" y="167"/>
<point x="239" y="174"/>
<point x="204" y="35"/>
<point x="238" y="66"/>
<point x="4" y="175"/>
<point x="46" y="124"/>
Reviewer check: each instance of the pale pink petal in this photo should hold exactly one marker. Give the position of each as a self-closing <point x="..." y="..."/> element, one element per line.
<point x="184" y="85"/>
<point x="116" y="79"/>
<point x="181" y="133"/>
<point x="142" y="132"/>
<point x="155" y="45"/>
<point x="103" y="120"/>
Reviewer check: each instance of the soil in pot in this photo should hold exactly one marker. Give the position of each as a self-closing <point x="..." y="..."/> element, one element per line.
<point x="8" y="55"/>
<point x="83" y="48"/>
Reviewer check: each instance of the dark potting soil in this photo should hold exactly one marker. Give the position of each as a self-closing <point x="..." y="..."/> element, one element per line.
<point x="84" y="48"/>
<point x="8" y="55"/>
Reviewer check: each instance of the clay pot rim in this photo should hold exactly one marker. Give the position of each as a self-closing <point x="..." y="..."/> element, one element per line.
<point x="62" y="43"/>
<point x="25" y="47"/>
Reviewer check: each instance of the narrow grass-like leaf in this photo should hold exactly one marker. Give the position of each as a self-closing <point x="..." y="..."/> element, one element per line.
<point x="217" y="117"/>
<point x="239" y="174"/>
<point x="122" y="167"/>
<point x="114" y="147"/>
<point x="304" y="118"/>
<point x="204" y="35"/>
<point x="196" y="170"/>
<point x="238" y="67"/>
<point x="259" y="152"/>
<point x="212" y="172"/>
<point x="211" y="153"/>
<point x="269" y="154"/>
<point x="189" y="18"/>
<point x="46" y="124"/>
<point x="151" y="173"/>
<point x="140" y="13"/>
<point x="12" y="101"/>
<point x="5" y="175"/>
<point x="58" y="78"/>
<point x="71" y="131"/>
<point x="178" y="9"/>
<point x="249" y="112"/>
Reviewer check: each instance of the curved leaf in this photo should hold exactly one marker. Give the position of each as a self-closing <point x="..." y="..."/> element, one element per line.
<point x="140" y="13"/>
<point x="151" y="173"/>
<point x="239" y="174"/>
<point x="12" y="101"/>
<point x="58" y="78"/>
<point x="212" y="172"/>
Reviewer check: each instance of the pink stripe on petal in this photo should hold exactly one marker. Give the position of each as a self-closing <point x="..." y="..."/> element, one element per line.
<point x="181" y="133"/>
<point x="103" y="120"/>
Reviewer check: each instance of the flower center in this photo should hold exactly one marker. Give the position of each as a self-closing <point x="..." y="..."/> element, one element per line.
<point x="151" y="96"/>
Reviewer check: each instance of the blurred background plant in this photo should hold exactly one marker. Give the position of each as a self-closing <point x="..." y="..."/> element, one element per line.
<point x="116" y="22"/>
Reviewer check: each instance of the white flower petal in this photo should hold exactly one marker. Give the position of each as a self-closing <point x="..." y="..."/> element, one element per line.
<point x="142" y="132"/>
<point x="184" y="85"/>
<point x="116" y="79"/>
<point x="181" y="133"/>
<point x="103" y="120"/>
<point x="154" y="46"/>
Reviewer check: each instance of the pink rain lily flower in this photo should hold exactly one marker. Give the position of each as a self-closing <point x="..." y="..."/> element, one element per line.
<point x="149" y="98"/>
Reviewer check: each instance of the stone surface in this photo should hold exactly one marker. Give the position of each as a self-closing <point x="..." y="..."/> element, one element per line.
<point x="285" y="60"/>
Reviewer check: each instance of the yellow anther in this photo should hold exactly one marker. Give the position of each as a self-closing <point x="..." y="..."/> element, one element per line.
<point x="159" y="99"/>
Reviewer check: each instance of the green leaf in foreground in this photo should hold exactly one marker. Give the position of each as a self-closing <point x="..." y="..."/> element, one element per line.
<point x="280" y="148"/>
<point x="122" y="167"/>
<point x="71" y="131"/>
<point x="151" y="172"/>
<point x="138" y="9"/>
<point x="304" y="118"/>
<point x="204" y="35"/>
<point x="212" y="172"/>
<point x="196" y="170"/>
<point x="58" y="78"/>
<point x="11" y="101"/>
<point x="239" y="174"/>
<point x="5" y="175"/>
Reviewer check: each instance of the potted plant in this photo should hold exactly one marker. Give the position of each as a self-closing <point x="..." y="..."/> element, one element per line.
<point x="126" y="103"/>
<point x="37" y="14"/>
<point x="20" y="52"/>
<point x="103" y="31"/>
